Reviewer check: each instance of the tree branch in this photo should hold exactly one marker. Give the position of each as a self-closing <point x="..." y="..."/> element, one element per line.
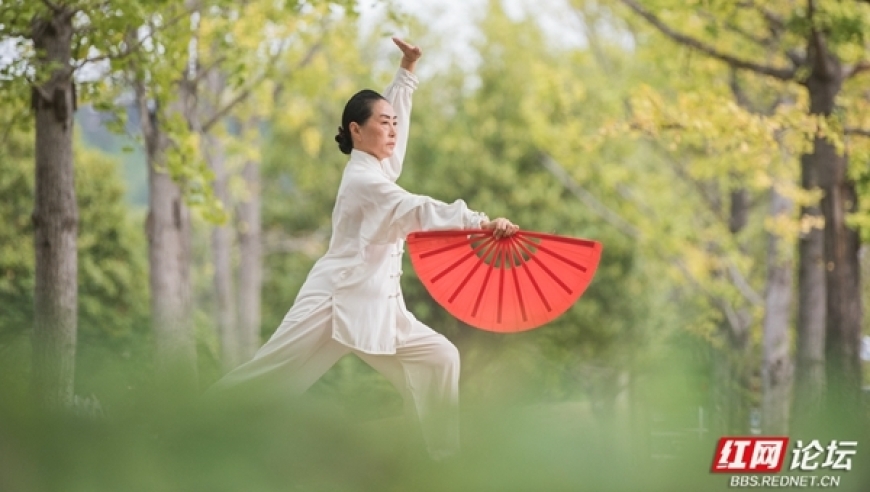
<point x="53" y="6"/>
<point x="797" y="59"/>
<point x="12" y="123"/>
<point x="712" y="202"/>
<point x="222" y="112"/>
<point x="202" y="72"/>
<point x="775" y="24"/>
<point x="731" y="314"/>
<point x="246" y="92"/>
<point x="822" y="63"/>
<point x="858" y="68"/>
<point x="737" y="90"/>
<point x="138" y="42"/>
<point x="763" y="42"/>
<point x="861" y="132"/>
<point x="571" y="185"/>
<point x="739" y="281"/>
<point x="785" y="74"/>
<point x="591" y="34"/>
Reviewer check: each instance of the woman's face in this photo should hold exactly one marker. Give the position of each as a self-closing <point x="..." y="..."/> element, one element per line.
<point x="377" y="136"/>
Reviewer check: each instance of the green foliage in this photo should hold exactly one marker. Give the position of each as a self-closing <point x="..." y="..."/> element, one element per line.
<point x="16" y="248"/>
<point x="773" y="34"/>
<point x="257" y="440"/>
<point x="112" y="255"/>
<point x="113" y="282"/>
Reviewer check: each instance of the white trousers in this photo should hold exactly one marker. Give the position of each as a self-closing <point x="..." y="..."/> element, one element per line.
<point x="425" y="368"/>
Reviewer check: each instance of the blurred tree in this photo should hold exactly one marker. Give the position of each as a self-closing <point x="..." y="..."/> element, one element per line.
<point x="192" y="80"/>
<point x="112" y="303"/>
<point x="163" y="77"/>
<point x="820" y="47"/>
<point x="243" y="69"/>
<point x="701" y="239"/>
<point x="53" y="43"/>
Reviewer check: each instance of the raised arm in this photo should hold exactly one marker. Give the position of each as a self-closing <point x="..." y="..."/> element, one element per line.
<point x="398" y="93"/>
<point x="414" y="212"/>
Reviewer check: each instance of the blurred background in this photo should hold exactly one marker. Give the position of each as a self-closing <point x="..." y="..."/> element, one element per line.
<point x="719" y="150"/>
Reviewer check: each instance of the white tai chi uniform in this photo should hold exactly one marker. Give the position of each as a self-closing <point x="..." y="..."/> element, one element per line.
<point x="352" y="299"/>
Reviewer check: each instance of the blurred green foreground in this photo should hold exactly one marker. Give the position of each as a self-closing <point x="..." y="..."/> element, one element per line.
<point x="255" y="440"/>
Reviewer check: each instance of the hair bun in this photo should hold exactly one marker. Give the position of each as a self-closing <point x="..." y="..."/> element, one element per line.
<point x="345" y="144"/>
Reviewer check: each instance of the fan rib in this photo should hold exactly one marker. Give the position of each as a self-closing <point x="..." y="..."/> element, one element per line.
<point x="470" y="274"/>
<point x="515" y="255"/>
<point x="532" y="278"/>
<point x="482" y="290"/>
<point x="552" y="253"/>
<point x="545" y="269"/>
<point x="460" y="260"/>
<point x="443" y="249"/>
<point x="553" y="276"/>
<point x="560" y="239"/>
<point x="452" y="266"/>
<point x="502" y="251"/>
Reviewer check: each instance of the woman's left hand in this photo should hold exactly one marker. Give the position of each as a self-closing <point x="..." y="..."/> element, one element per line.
<point x="410" y="54"/>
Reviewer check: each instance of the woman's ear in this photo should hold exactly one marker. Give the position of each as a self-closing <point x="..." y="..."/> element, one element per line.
<point x="355" y="131"/>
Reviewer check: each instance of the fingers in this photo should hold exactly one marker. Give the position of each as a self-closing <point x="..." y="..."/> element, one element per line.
<point x="409" y="50"/>
<point x="503" y="228"/>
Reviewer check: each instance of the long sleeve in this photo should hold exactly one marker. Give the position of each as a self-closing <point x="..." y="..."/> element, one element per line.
<point x="398" y="93"/>
<point x="402" y="212"/>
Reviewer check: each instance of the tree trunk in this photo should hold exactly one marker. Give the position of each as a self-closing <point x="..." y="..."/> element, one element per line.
<point x="250" y="262"/>
<point x="733" y="363"/>
<point x="168" y="230"/>
<point x="739" y="216"/>
<point x="55" y="215"/>
<point x="841" y="243"/>
<point x="731" y="372"/>
<point x="777" y="369"/>
<point x="809" y="386"/>
<point x="843" y="330"/>
<point x="213" y="150"/>
<point x="221" y="243"/>
<point x="842" y="265"/>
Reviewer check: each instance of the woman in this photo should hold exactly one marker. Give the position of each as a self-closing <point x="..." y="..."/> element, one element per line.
<point x="352" y="299"/>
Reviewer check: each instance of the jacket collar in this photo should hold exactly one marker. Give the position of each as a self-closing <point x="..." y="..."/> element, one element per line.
<point x="367" y="160"/>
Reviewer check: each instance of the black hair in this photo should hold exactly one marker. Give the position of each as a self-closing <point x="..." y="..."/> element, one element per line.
<point x="357" y="110"/>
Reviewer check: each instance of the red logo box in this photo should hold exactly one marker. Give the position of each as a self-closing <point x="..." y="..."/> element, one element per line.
<point x="740" y="454"/>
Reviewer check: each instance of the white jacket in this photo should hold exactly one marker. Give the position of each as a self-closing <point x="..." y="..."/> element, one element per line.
<point x="372" y="217"/>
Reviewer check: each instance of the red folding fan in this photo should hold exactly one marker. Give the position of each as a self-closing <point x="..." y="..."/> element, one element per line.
<point x="506" y="285"/>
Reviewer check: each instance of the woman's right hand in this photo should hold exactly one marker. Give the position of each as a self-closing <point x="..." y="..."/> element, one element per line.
<point x="501" y="227"/>
<point x="410" y="54"/>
